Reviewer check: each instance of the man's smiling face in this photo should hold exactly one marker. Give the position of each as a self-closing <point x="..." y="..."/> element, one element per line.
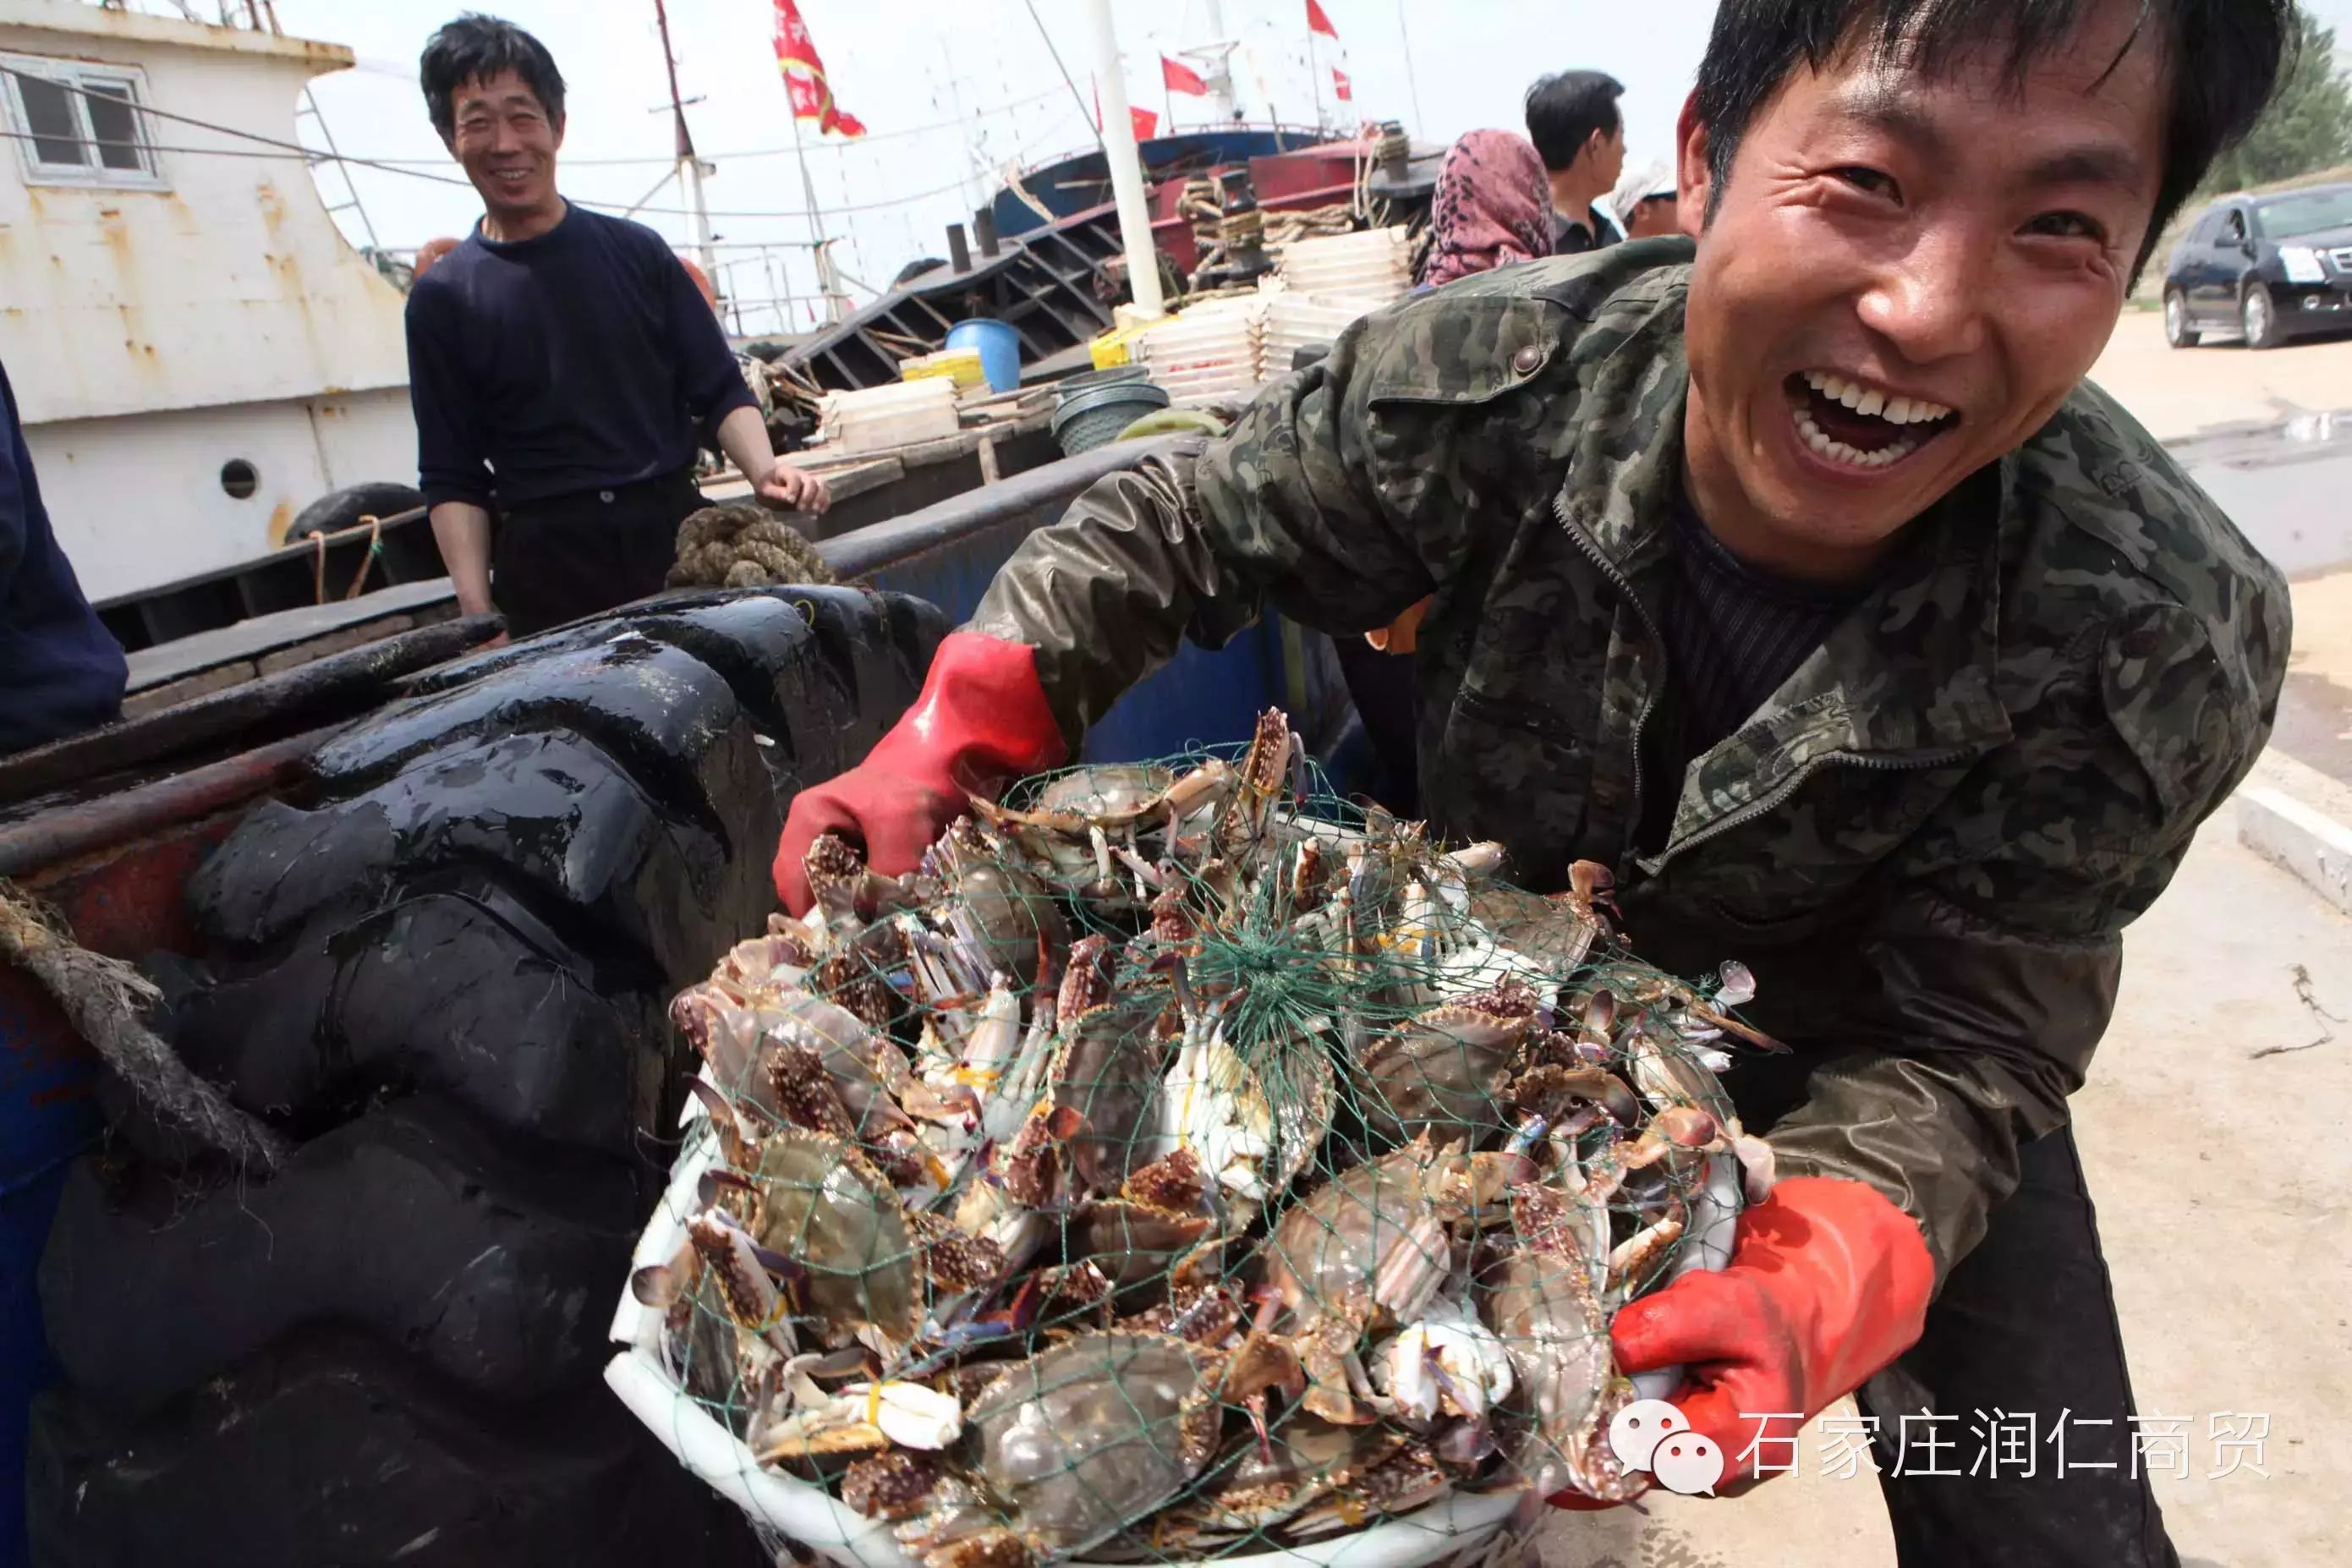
<point x="1903" y="277"/>
<point x="506" y="143"/>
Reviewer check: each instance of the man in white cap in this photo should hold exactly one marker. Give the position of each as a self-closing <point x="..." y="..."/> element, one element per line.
<point x="1643" y="202"/>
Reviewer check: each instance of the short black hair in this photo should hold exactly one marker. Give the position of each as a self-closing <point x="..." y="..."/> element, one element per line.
<point x="1565" y="108"/>
<point x="476" y="47"/>
<point x="2222" y="59"/>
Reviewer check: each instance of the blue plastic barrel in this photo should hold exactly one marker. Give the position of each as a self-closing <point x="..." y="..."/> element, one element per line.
<point x="999" y="346"/>
<point x="48" y="1114"/>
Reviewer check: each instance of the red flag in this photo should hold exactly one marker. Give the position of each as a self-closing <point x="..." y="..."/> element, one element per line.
<point x="1317" y="22"/>
<point x="804" y="83"/>
<point x="1177" y="76"/>
<point x="1340" y="88"/>
<point x="1144" y="123"/>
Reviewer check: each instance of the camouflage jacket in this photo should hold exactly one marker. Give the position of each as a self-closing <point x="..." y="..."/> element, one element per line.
<point x="1926" y="844"/>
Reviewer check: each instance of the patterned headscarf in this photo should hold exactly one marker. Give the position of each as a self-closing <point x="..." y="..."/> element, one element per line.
<point x="1492" y="206"/>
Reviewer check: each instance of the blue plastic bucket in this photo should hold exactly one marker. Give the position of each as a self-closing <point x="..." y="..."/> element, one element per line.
<point x="1000" y="350"/>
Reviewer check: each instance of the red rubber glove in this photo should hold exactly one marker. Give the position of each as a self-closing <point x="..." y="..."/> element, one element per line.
<point x="1828" y="1283"/>
<point x="981" y="721"/>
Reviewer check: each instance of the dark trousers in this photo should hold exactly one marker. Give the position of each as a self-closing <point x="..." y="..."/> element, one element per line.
<point x="559" y="559"/>
<point x="2024" y="1329"/>
<point x="2025" y="1326"/>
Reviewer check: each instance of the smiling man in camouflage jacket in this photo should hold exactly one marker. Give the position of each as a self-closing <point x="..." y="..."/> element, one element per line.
<point x="1800" y="579"/>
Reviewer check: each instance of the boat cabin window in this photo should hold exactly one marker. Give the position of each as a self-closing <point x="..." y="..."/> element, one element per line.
<point x="75" y="123"/>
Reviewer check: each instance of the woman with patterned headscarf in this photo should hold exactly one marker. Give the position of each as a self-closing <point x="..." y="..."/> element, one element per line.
<point x="1492" y="207"/>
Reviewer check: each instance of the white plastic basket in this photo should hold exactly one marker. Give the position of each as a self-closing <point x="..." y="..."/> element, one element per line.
<point x="1459" y="1529"/>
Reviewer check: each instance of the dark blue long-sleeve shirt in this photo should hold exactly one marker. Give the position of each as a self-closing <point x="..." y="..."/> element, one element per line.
<point x="581" y="360"/>
<point x="60" y="670"/>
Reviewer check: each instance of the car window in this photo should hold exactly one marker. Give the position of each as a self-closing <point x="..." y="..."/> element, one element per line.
<point x="2233" y="228"/>
<point x="2305" y="212"/>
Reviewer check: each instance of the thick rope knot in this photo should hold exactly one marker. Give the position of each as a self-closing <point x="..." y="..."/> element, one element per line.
<point x="743" y="545"/>
<point x="105" y="997"/>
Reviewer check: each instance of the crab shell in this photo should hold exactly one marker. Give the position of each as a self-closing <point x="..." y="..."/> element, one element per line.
<point x="1447" y="1069"/>
<point x="1371" y="1240"/>
<point x="820" y="1203"/>
<point x="998" y="911"/>
<point x="1106" y="1069"/>
<point x="1093" y="1434"/>
<point x="1107" y="795"/>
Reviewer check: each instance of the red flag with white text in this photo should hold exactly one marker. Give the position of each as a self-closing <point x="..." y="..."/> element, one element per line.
<point x="805" y="87"/>
<point x="1339" y="88"/>
<point x="1177" y="76"/>
<point x="1318" y="22"/>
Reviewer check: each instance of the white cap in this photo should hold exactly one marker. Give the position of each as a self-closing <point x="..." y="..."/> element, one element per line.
<point x="1636" y="186"/>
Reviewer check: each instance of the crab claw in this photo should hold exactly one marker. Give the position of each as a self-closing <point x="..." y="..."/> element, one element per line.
<point x="1263" y="1363"/>
<point x="664" y="1285"/>
<point x="1758" y="1168"/>
<point x="1687" y="1125"/>
<point x="727" y="1251"/>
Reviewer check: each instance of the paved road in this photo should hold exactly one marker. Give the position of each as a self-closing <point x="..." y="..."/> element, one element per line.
<point x="2179" y="393"/>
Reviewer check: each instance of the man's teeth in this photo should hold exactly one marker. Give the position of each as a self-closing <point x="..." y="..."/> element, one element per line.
<point x="1872" y="400"/>
<point x="1820" y="442"/>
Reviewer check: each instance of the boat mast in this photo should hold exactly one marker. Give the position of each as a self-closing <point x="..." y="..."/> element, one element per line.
<point x="826" y="283"/>
<point x="1221" y="80"/>
<point x="689" y="167"/>
<point x="1126" y="166"/>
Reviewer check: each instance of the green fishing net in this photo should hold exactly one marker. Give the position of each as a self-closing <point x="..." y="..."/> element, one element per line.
<point x="1186" y="1163"/>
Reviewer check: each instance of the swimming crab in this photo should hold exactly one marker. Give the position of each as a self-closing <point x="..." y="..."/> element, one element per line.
<point x="1070" y="1447"/>
<point x="1102" y="1087"/>
<point x="1543" y="1296"/>
<point x="1369" y="1250"/>
<point x="1472" y="1067"/>
<point x="805" y="1061"/>
<point x="803" y="1227"/>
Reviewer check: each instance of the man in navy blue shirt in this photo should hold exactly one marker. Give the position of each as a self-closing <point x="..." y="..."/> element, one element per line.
<point x="561" y="364"/>
<point x="61" y="672"/>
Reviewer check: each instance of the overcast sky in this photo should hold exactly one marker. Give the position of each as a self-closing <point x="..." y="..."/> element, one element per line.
<point x="902" y="65"/>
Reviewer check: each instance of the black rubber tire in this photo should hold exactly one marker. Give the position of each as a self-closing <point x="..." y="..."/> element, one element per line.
<point x="2177" y="330"/>
<point x="461" y="1029"/>
<point x="487" y="1259"/>
<point x="342" y="508"/>
<point x="255" y="1467"/>
<point x="461" y="992"/>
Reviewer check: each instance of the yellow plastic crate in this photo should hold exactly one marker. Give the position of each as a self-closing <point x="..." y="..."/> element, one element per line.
<point x="960" y="365"/>
<point x="1109" y="351"/>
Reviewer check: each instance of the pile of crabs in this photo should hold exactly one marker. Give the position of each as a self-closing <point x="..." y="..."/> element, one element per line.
<point x="1165" y="1168"/>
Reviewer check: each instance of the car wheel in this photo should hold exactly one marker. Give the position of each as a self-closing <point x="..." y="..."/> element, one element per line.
<point x="2177" y="330"/>
<point x="2259" y="316"/>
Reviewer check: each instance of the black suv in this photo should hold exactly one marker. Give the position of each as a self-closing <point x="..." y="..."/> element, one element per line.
<point x="2265" y="268"/>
